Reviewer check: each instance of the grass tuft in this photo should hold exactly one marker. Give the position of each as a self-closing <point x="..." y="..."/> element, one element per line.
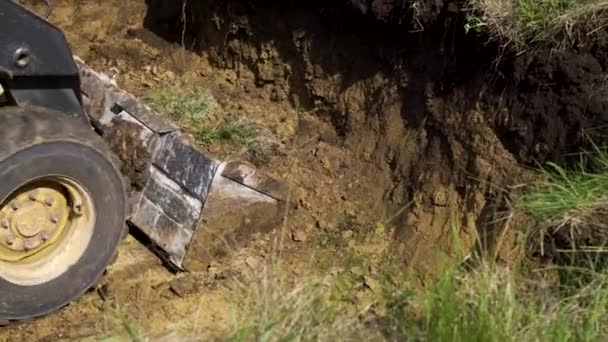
<point x="524" y="24"/>
<point x="491" y="303"/>
<point x="306" y="310"/>
<point x="570" y="204"/>
<point x="232" y="129"/>
<point x="192" y="110"/>
<point x="187" y="107"/>
<point x="566" y="194"/>
<point x="481" y="302"/>
<point x="486" y="303"/>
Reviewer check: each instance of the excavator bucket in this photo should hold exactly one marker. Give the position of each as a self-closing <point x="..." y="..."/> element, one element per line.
<point x="191" y="206"/>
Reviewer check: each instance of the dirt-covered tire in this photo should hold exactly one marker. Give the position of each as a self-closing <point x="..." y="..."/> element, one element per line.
<point x="38" y="146"/>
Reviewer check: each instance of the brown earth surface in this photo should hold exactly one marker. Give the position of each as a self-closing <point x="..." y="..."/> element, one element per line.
<point x="371" y="119"/>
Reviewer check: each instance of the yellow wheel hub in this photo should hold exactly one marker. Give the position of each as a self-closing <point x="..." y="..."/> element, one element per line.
<point x="33" y="220"/>
<point x="45" y="228"/>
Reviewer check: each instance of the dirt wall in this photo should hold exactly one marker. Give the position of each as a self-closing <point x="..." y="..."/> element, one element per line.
<point x="446" y="119"/>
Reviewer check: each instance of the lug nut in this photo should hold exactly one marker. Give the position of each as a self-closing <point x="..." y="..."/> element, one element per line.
<point x="30" y="244"/>
<point x="14" y="205"/>
<point x="44" y="235"/>
<point x="4" y="223"/>
<point x="54" y="217"/>
<point x="49" y="202"/>
<point x="32" y="195"/>
<point x="78" y="209"/>
<point x="10" y="240"/>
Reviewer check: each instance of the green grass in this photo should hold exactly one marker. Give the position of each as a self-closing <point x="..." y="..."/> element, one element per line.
<point x="490" y="304"/>
<point x="324" y="304"/>
<point x="569" y="205"/>
<point x="232" y="129"/>
<point x="566" y="194"/>
<point x="187" y="107"/>
<point x="303" y="312"/>
<point x="122" y="328"/>
<point x="192" y="110"/>
<point x="481" y="302"/>
<point x="524" y="24"/>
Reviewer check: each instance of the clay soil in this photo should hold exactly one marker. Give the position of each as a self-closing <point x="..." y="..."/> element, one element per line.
<point x="372" y="119"/>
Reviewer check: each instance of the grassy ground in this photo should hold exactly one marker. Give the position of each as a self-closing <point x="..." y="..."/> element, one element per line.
<point x="369" y="298"/>
<point x="525" y="24"/>
<point x="488" y="303"/>
<point x="570" y="204"/>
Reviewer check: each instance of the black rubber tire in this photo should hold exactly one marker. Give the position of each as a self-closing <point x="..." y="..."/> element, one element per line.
<point x="36" y="142"/>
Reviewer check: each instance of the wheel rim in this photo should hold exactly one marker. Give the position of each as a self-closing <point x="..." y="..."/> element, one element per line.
<point x="45" y="227"/>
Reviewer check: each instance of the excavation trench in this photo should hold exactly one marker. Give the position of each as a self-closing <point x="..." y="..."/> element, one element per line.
<point x="375" y="112"/>
<point x="431" y="120"/>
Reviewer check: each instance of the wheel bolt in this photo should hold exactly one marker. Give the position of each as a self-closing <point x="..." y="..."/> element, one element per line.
<point x="10" y="240"/>
<point x="49" y="202"/>
<point x="54" y="217"/>
<point x="14" y="205"/>
<point x="44" y="235"/>
<point x="32" y="195"/>
<point x="78" y="209"/>
<point x="4" y="223"/>
<point x="29" y="244"/>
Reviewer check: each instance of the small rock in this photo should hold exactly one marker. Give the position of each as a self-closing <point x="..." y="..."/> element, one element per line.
<point x="104" y="292"/>
<point x="329" y="156"/>
<point x="380" y="230"/>
<point x="440" y="198"/>
<point x="304" y="204"/>
<point x="299" y="235"/>
<point x="183" y="286"/>
<point x="372" y="284"/>
<point x="214" y="148"/>
<point x="347" y="234"/>
<point x="320" y="224"/>
<point x="356" y="270"/>
<point x="170" y="75"/>
<point x="215" y="271"/>
<point x="248" y="88"/>
<point x="252" y="262"/>
<point x="350" y="211"/>
<point x="365" y="300"/>
<point x="205" y="71"/>
<point x="334" y="271"/>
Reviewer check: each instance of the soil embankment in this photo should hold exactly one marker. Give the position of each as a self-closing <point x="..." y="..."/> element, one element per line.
<point x="444" y="118"/>
<point x="377" y="106"/>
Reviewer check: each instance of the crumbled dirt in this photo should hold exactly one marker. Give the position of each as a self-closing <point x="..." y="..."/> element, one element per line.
<point x="120" y="143"/>
<point x="374" y="119"/>
<point x="552" y="99"/>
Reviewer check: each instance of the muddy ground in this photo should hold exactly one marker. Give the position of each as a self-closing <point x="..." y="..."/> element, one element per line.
<point x="375" y="111"/>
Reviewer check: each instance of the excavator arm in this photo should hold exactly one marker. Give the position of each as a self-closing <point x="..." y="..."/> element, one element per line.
<point x="36" y="65"/>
